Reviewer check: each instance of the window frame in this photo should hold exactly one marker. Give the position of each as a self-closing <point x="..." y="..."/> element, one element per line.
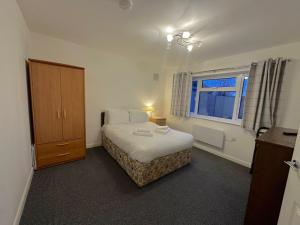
<point x="240" y="77"/>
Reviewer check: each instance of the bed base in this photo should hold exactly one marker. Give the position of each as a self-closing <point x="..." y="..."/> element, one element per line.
<point x="144" y="173"/>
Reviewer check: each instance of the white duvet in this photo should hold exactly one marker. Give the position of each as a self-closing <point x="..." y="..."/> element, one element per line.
<point x="145" y="149"/>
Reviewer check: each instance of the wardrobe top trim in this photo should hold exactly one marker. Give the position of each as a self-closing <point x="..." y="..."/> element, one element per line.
<point x="55" y="63"/>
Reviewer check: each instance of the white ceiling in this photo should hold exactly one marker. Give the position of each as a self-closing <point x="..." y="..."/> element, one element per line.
<point x="226" y="27"/>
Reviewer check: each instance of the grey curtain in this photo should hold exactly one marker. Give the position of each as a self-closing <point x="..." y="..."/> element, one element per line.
<point x="262" y="99"/>
<point x="181" y="94"/>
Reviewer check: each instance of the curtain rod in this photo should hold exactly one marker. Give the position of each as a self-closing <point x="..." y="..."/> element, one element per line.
<point x="229" y="68"/>
<point x="221" y="69"/>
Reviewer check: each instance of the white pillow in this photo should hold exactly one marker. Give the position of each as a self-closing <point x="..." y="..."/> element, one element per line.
<point x="116" y="116"/>
<point x="138" y="116"/>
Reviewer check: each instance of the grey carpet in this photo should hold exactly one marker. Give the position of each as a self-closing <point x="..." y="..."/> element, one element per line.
<point x="96" y="190"/>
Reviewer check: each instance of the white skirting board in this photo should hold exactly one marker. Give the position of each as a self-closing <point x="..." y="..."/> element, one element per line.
<point x="23" y="199"/>
<point x="225" y="156"/>
<point x="92" y="145"/>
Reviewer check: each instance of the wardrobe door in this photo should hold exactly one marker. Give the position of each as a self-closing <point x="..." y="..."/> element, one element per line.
<point x="46" y="102"/>
<point x="72" y="86"/>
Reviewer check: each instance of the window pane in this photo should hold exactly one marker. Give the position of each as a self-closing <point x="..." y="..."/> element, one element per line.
<point x="222" y="82"/>
<point x="216" y="103"/>
<point x="242" y="103"/>
<point x="193" y="96"/>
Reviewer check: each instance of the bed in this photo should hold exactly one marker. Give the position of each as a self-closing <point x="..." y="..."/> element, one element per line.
<point x="144" y="158"/>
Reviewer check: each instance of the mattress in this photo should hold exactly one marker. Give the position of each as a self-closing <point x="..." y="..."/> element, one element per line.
<point x="145" y="149"/>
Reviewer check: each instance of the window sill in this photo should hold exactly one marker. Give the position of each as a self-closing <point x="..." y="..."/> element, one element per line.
<point x="216" y="119"/>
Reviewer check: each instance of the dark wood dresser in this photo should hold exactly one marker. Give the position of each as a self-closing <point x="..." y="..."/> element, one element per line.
<point x="269" y="176"/>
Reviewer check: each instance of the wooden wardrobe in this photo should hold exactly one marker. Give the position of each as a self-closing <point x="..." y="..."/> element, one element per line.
<point x="58" y="112"/>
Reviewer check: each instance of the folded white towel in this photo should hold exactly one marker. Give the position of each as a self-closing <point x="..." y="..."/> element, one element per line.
<point x="142" y="134"/>
<point x="163" y="128"/>
<point x="162" y="131"/>
<point x="143" y="130"/>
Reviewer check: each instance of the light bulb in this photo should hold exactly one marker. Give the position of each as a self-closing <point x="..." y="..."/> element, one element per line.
<point x="169" y="30"/>
<point x="186" y="34"/>
<point x="190" y="48"/>
<point x="170" y="37"/>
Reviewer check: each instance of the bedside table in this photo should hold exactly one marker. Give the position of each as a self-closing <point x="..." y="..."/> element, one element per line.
<point x="161" y="121"/>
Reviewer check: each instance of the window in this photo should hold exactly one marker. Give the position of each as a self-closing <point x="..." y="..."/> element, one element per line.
<point x="219" y="97"/>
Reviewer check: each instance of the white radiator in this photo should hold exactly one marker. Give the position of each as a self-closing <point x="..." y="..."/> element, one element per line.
<point x="208" y="135"/>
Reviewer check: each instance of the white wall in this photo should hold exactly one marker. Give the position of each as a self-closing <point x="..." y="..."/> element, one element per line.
<point x="239" y="143"/>
<point x="111" y="81"/>
<point x="15" y="159"/>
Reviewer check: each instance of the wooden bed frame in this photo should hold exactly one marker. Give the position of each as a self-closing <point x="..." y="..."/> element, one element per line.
<point x="144" y="173"/>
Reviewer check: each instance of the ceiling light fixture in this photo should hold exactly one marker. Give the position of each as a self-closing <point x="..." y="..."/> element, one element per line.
<point x="186" y="34"/>
<point x="169" y="30"/>
<point x="170" y="37"/>
<point x="184" y="39"/>
<point x="190" y="48"/>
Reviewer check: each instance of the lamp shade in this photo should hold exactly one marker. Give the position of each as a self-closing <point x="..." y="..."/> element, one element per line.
<point x="148" y="109"/>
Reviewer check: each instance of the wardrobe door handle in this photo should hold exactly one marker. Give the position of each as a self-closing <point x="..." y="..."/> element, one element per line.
<point x="58" y="114"/>
<point x="65" y="114"/>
